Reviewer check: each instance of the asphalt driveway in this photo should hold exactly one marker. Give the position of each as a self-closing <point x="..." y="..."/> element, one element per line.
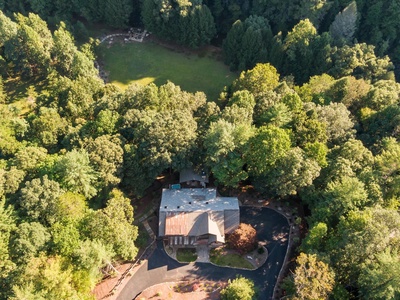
<point x="271" y="227"/>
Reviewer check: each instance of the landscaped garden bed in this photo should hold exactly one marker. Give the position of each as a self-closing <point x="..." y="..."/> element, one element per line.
<point x="226" y="257"/>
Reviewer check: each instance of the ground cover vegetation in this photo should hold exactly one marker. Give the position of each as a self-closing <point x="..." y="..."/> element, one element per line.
<point x="224" y="257"/>
<point x="149" y="62"/>
<point x="186" y="254"/>
<point x="239" y="288"/>
<point x="315" y="118"/>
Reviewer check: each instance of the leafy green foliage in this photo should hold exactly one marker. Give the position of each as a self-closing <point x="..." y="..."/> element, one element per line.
<point x="75" y="174"/>
<point x="239" y="288"/>
<point x="39" y="199"/>
<point x="113" y="226"/>
<point x="359" y="240"/>
<point x="48" y="127"/>
<point x="246" y="43"/>
<point x="380" y="280"/>
<point x="290" y="174"/>
<point x="67" y="140"/>
<point x="47" y="278"/>
<point x="312" y="279"/>
<point x="29" y="240"/>
<point x="263" y="77"/>
<point x="224" y="143"/>
<point x="189" y="23"/>
<point x="360" y="61"/>
<point x="266" y="146"/>
<point x="7" y="226"/>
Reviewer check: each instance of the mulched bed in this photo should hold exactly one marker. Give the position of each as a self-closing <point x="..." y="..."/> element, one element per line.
<point x="183" y="290"/>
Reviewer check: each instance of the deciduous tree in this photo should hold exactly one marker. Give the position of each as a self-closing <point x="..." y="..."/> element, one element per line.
<point x="39" y="199"/>
<point x="7" y="226"/>
<point x="243" y="239"/>
<point x="28" y="241"/>
<point x="112" y="226"/>
<point x="313" y="279"/>
<point x="224" y="143"/>
<point x="290" y="174"/>
<point x="75" y="174"/>
<point x="359" y="239"/>
<point x="262" y="78"/>
<point x="266" y="146"/>
<point x="239" y="288"/>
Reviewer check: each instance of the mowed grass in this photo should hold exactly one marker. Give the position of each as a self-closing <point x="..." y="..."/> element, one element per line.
<point x="149" y="62"/>
<point x="231" y="260"/>
<point x="234" y="260"/>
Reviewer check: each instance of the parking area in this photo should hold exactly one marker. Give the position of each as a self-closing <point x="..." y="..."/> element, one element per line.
<point x="272" y="228"/>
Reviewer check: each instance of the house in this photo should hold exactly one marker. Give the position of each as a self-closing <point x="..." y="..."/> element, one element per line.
<point x="190" y="216"/>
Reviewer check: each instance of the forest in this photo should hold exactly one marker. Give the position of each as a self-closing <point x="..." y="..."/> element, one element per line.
<point x="313" y="118"/>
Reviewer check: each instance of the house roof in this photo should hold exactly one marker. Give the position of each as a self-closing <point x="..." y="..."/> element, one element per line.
<point x="193" y="224"/>
<point x="196" y="199"/>
<point x="190" y="175"/>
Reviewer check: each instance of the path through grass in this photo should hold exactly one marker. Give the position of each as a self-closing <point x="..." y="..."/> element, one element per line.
<point x="148" y="62"/>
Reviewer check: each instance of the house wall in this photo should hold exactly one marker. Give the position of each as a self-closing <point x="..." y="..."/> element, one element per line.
<point x="161" y="223"/>
<point x="218" y="217"/>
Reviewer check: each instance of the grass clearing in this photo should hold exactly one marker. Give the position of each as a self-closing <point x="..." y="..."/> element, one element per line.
<point x="234" y="260"/>
<point x="186" y="254"/>
<point x="149" y="62"/>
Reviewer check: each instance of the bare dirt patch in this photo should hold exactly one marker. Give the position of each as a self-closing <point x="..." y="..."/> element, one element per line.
<point x="183" y="290"/>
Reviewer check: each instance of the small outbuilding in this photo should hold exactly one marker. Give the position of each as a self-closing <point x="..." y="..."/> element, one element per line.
<point x="191" y="178"/>
<point x="189" y="216"/>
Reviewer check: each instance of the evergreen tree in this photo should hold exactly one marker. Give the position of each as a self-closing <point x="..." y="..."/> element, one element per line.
<point x="343" y="27"/>
<point x="246" y="43"/>
<point x="232" y="45"/>
<point x="299" y="52"/>
<point x="117" y="12"/>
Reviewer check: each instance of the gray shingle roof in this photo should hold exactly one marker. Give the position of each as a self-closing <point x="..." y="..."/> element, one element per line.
<point x="196" y="199"/>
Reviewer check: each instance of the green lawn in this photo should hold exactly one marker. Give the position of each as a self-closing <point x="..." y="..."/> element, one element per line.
<point x="234" y="260"/>
<point x="148" y="62"/>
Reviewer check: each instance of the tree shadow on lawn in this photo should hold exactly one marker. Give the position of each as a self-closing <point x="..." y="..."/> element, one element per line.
<point x="148" y="62"/>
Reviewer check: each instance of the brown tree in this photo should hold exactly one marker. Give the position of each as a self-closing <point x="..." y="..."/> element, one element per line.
<point x="243" y="239"/>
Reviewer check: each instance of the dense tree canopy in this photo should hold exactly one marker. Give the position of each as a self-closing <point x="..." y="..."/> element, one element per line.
<point x="313" y="118"/>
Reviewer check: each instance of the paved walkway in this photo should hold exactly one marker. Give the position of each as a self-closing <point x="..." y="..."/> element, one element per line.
<point x="203" y="253"/>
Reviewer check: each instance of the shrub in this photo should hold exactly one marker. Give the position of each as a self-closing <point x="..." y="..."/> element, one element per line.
<point x="243" y="239"/>
<point x="238" y="289"/>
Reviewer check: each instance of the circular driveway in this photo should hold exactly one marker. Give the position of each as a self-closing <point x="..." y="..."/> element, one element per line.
<point x="271" y="227"/>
